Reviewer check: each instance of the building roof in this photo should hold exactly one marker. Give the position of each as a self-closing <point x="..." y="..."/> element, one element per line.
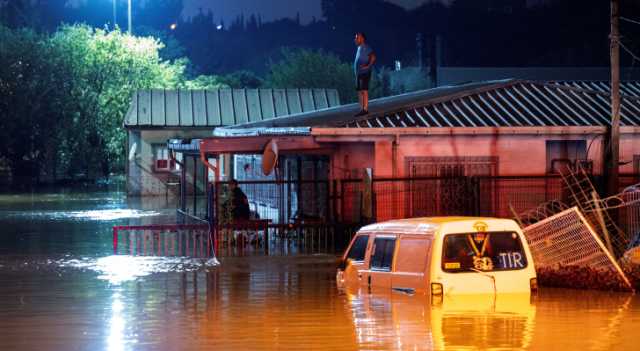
<point x="630" y="88"/>
<point x="448" y="75"/>
<point x="221" y="107"/>
<point x="502" y="103"/>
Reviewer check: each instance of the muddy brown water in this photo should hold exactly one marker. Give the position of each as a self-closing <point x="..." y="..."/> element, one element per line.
<point x="61" y="289"/>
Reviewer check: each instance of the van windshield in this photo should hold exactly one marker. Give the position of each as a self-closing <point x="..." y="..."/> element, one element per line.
<point x="492" y="251"/>
<point x="359" y="248"/>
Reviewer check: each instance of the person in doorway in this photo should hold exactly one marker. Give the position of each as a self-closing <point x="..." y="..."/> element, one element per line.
<point x="362" y="66"/>
<point x="240" y="213"/>
<point x="239" y="202"/>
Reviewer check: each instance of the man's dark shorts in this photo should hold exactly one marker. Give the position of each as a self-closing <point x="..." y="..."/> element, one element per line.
<point x="362" y="81"/>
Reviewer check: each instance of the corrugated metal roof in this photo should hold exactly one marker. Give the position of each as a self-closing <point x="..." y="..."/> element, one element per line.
<point x="514" y="104"/>
<point x="337" y="116"/>
<point x="504" y="103"/>
<point x="629" y="88"/>
<point x="222" y="107"/>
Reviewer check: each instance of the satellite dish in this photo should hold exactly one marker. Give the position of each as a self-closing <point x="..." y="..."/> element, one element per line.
<point x="269" y="157"/>
<point x="132" y="151"/>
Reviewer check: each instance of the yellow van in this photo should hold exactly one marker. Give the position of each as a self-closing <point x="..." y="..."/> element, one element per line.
<point x="440" y="255"/>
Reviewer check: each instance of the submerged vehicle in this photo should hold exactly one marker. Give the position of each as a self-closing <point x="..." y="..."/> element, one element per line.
<point x="440" y="256"/>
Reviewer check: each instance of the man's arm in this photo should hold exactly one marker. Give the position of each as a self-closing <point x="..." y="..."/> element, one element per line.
<point x="372" y="60"/>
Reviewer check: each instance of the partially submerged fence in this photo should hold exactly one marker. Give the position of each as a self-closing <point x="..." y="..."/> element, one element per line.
<point x="324" y="215"/>
<point x="352" y="201"/>
<point x="569" y="253"/>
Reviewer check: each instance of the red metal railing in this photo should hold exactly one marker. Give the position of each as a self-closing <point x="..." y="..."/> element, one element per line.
<point x="166" y="239"/>
<point x="240" y="232"/>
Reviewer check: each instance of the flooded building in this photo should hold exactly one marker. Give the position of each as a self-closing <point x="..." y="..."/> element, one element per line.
<point x="474" y="148"/>
<point x="156" y="116"/>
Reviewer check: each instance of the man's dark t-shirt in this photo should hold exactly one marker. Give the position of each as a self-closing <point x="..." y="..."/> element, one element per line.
<point x="362" y="58"/>
<point x="240" y="205"/>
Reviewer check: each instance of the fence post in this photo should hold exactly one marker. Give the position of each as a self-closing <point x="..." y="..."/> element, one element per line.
<point x="115" y="240"/>
<point x="211" y="206"/>
<point x="334" y="195"/>
<point x="266" y="237"/>
<point x="213" y="219"/>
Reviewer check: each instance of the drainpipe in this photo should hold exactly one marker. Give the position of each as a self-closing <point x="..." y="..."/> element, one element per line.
<point x="204" y="160"/>
<point x="212" y="199"/>
<point x="183" y="179"/>
<point x="394" y="155"/>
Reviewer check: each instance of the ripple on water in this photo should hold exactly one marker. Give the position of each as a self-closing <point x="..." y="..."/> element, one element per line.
<point x="86" y="215"/>
<point x="119" y="269"/>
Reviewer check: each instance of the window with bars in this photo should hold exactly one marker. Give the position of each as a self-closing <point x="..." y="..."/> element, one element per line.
<point x="454" y="188"/>
<point x="162" y="161"/>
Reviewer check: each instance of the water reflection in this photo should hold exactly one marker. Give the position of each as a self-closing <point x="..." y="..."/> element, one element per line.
<point x="555" y="319"/>
<point x="398" y="321"/>
<point x="116" y="340"/>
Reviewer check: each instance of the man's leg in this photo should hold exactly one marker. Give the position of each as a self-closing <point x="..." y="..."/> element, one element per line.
<point x="361" y="99"/>
<point x="365" y="100"/>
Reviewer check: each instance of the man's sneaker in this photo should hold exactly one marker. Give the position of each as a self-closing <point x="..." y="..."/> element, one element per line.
<point x="362" y="113"/>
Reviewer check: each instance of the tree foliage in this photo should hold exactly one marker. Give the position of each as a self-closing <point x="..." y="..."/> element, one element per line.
<point x="304" y="68"/>
<point x="33" y="82"/>
<point x="105" y="69"/>
<point x="64" y="96"/>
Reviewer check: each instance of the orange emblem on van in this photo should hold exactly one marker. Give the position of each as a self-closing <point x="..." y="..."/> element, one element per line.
<point x="481" y="227"/>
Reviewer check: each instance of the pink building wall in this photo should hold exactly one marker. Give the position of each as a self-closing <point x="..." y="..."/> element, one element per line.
<point x="517" y="154"/>
<point x="522" y="154"/>
<point x="629" y="153"/>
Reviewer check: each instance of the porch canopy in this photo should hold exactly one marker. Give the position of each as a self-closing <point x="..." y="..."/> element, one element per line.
<point x="491" y="107"/>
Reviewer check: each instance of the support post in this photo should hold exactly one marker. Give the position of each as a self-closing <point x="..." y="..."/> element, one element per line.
<point x="614" y="155"/>
<point x="195" y="186"/>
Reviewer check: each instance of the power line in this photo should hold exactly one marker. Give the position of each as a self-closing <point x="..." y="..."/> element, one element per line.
<point x="629" y="20"/>
<point x="635" y="57"/>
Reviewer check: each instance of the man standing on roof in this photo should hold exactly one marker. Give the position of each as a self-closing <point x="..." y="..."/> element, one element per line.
<point x="362" y="65"/>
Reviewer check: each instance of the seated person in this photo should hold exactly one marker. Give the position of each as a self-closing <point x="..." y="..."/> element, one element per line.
<point x="239" y="202"/>
<point x="238" y="205"/>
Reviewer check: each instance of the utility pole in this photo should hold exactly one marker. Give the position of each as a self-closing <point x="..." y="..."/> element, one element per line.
<point x="129" y="14"/>
<point x="419" y="47"/>
<point x="115" y="14"/>
<point x="613" y="165"/>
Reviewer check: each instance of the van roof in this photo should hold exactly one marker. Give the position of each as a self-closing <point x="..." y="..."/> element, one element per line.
<point x="423" y="224"/>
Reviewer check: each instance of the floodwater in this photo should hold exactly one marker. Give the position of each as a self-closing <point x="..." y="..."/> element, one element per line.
<point x="61" y="289"/>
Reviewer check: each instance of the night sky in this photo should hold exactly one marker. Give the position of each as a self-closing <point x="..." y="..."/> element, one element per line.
<point x="268" y="9"/>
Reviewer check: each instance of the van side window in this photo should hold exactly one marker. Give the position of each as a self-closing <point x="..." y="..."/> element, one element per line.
<point x="359" y="248"/>
<point x="412" y="255"/>
<point x="382" y="253"/>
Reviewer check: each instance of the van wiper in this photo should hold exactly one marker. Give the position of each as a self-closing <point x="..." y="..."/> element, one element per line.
<point x="493" y="279"/>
